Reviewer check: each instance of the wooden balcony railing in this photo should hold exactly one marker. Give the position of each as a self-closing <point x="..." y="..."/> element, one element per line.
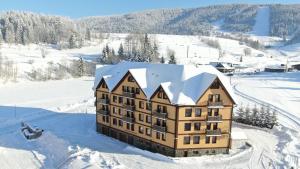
<point x="214" y="118"/>
<point x="103" y="112"/>
<point x="103" y="101"/>
<point x="128" y="94"/>
<point x="129" y="107"/>
<point x="215" y="104"/>
<point x="160" y="114"/>
<point x="159" y="128"/>
<point x="128" y="119"/>
<point x="216" y="132"/>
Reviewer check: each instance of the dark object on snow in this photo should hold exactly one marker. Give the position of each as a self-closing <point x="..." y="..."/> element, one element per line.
<point x="296" y="66"/>
<point x="31" y="133"/>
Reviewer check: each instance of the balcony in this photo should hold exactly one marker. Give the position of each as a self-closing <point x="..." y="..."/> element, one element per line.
<point x="159" y="128"/>
<point x="128" y="94"/>
<point x="216" y="132"/>
<point x="214" y="119"/>
<point x="103" y="101"/>
<point x="103" y="112"/>
<point x="160" y="114"/>
<point x="128" y="119"/>
<point x="129" y="107"/>
<point x="215" y="104"/>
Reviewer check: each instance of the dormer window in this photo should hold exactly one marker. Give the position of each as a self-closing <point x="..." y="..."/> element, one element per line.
<point x="130" y="79"/>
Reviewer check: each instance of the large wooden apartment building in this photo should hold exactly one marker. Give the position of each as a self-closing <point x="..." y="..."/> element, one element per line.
<point x="175" y="110"/>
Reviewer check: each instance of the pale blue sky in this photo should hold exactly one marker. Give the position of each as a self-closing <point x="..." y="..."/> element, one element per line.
<point x="81" y="8"/>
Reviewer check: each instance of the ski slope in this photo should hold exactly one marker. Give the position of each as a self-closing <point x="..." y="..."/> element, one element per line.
<point x="262" y="23"/>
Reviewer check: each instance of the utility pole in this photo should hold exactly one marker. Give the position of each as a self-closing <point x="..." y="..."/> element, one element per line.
<point x="187" y="51"/>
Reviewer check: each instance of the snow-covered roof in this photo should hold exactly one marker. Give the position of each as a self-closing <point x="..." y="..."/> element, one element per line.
<point x="183" y="84"/>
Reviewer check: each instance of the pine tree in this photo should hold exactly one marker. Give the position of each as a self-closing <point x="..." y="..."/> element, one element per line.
<point x="172" y="59"/>
<point x="247" y="115"/>
<point x="273" y="119"/>
<point x="262" y="117"/>
<point x="240" y="114"/>
<point x="81" y="67"/>
<point x="254" y="115"/>
<point x="162" y="60"/>
<point x="72" y="41"/>
<point x="121" y="52"/>
<point x="104" y="55"/>
<point x="88" y="34"/>
<point x="268" y="117"/>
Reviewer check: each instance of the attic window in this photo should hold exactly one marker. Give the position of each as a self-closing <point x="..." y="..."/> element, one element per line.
<point x="165" y="96"/>
<point x="215" y="85"/>
<point x="130" y="79"/>
<point x="104" y="86"/>
<point x="160" y="94"/>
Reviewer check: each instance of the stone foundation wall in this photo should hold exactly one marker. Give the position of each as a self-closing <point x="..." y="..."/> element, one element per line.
<point x="155" y="147"/>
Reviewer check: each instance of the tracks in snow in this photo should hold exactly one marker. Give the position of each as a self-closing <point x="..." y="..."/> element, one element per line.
<point x="291" y="158"/>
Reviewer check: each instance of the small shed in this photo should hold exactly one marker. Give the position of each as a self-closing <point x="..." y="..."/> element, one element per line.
<point x="296" y="66"/>
<point x="224" y="67"/>
<point x="238" y="140"/>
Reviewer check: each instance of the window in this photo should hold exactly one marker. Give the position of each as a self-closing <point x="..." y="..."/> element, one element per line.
<point x="103" y="118"/>
<point x="207" y="140"/>
<point x="120" y="100"/>
<point x="165" y="109"/>
<point x="127" y="126"/>
<point x="141" y="117"/>
<point x="148" y="106"/>
<point x="187" y="126"/>
<point x="137" y="91"/>
<point x="165" y="96"/>
<point x="120" y="112"/>
<point x="159" y="94"/>
<point x="104" y="85"/>
<point x="209" y="112"/>
<point x="208" y="126"/>
<point x="158" y="108"/>
<point x="215" y="85"/>
<point x="141" y="129"/>
<point x="114" y="110"/>
<point x="157" y="135"/>
<point x="188" y="112"/>
<point x="217" y="97"/>
<point x="163" y="136"/>
<point x="130" y="79"/>
<point x="148" y="132"/>
<point x="197" y="112"/>
<point x="158" y="122"/>
<point x="210" y="97"/>
<point x="186" y="140"/>
<point x="115" y="99"/>
<point x="148" y="119"/>
<point x="215" y="126"/>
<point x="114" y="121"/>
<point x="197" y="126"/>
<point x="107" y="119"/>
<point x="196" y="139"/>
<point x="121" y="123"/>
<point x="132" y="127"/>
<point x="216" y="112"/>
<point x="141" y="104"/>
<point x="214" y="139"/>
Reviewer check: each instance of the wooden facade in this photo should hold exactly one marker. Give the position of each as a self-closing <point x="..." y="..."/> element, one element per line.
<point x="157" y="125"/>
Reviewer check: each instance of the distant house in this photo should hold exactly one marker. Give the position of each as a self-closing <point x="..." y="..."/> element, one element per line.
<point x="278" y="68"/>
<point x="175" y="110"/>
<point x="296" y="66"/>
<point x="224" y="67"/>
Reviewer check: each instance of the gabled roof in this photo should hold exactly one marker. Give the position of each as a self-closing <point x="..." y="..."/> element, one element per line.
<point x="183" y="84"/>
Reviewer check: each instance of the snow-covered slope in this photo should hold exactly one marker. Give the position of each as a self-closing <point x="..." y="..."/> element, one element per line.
<point x="262" y="22"/>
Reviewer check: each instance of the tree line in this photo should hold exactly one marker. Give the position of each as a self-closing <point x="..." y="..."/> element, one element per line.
<point x="136" y="48"/>
<point x="262" y="117"/>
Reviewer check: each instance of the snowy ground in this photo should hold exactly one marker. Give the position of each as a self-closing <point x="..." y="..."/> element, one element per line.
<point x="70" y="139"/>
